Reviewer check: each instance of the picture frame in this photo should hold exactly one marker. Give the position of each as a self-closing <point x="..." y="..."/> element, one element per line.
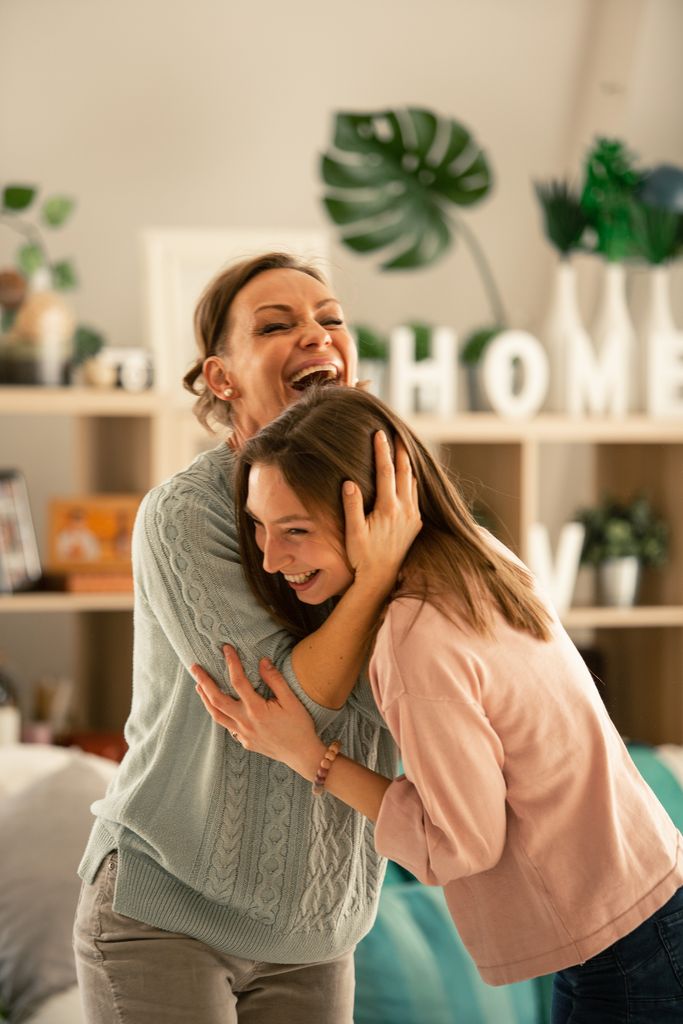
<point x="178" y="266"/>
<point x="20" y="567"/>
<point x="91" y="533"/>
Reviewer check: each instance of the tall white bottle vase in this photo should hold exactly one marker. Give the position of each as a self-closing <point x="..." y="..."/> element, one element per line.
<point x="559" y="329"/>
<point x="612" y="326"/>
<point x="658" y="316"/>
<point x="661" y="346"/>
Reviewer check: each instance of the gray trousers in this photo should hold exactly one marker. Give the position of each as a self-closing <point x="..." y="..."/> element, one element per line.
<point x="132" y="973"/>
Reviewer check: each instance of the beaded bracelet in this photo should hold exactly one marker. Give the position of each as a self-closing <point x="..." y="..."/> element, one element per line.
<point x="325" y="765"/>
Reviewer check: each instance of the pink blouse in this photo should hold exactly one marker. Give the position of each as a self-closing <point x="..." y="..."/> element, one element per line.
<point x="519" y="796"/>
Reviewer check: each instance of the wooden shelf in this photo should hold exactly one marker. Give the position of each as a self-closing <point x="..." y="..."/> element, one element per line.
<point x="547" y="428"/>
<point x="573" y="618"/>
<point x="126" y="443"/>
<point x="468" y="427"/>
<point x="623" y="618"/>
<point x="59" y="602"/>
<point x="73" y="401"/>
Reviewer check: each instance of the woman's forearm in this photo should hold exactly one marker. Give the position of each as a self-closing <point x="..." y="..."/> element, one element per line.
<point x="328" y="662"/>
<point x="282" y="729"/>
<point x="349" y="781"/>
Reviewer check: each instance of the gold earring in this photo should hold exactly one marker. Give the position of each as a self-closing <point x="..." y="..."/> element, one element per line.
<point x="229" y="392"/>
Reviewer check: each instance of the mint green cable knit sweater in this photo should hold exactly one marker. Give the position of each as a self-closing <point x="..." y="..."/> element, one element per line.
<point x="214" y="841"/>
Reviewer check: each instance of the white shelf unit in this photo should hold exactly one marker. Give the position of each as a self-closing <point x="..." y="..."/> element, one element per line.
<point x="508" y="467"/>
<point x="127" y="443"/>
<point x="121" y="443"/>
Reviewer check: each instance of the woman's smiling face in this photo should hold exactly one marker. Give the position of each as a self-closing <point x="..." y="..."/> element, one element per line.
<point x="305" y="548"/>
<point x="285" y="330"/>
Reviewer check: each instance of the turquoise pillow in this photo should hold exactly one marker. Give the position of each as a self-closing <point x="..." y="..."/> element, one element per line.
<point x="660" y="779"/>
<point x="412" y="968"/>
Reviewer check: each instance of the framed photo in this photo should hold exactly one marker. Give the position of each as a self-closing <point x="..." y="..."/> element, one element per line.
<point x="19" y="558"/>
<point x="92" y="533"/>
<point x="178" y="266"/>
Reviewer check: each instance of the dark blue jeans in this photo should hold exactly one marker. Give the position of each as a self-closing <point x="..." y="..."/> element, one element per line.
<point x="638" y="980"/>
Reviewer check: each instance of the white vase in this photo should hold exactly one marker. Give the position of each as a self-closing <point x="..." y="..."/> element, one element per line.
<point x="618" y="580"/>
<point x="561" y="329"/>
<point x="612" y="328"/>
<point x="45" y="325"/>
<point x="658" y="315"/>
<point x="662" y="346"/>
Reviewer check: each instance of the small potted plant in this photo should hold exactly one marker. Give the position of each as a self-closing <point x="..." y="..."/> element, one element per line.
<point x="40" y="342"/>
<point x="620" y="538"/>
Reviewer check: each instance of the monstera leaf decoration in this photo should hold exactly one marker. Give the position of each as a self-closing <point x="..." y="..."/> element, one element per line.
<point x="393" y="177"/>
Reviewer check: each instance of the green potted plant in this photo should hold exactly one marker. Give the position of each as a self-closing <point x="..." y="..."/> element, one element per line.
<point x="395" y="182"/>
<point x="41" y="341"/>
<point x="621" y="537"/>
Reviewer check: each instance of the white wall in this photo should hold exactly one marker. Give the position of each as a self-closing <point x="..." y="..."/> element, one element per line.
<point x="213" y="113"/>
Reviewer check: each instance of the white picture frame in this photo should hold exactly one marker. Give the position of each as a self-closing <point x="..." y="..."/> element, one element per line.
<point x="179" y="263"/>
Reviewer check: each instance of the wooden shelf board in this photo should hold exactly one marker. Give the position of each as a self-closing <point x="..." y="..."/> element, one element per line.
<point x="61" y="602"/>
<point x="626" y="618"/>
<point x="574" y="618"/>
<point x="75" y="401"/>
<point x="465" y="428"/>
<point x="485" y="428"/>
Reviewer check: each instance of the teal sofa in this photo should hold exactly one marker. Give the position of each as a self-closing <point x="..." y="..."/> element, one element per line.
<point x="410" y="969"/>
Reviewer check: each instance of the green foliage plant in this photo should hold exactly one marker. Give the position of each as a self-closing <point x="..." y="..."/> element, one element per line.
<point x="564" y="218"/>
<point x="373" y="345"/>
<point x="87" y="343"/>
<point x="395" y="182"/>
<point x="610" y="186"/>
<point x="617" y="529"/>
<point x="657" y="233"/>
<point x="475" y="343"/>
<point x="32" y="254"/>
<point x="657" y="215"/>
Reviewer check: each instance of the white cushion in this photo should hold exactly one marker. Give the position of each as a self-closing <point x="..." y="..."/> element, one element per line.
<point x="64" y="1008"/>
<point x="21" y="764"/>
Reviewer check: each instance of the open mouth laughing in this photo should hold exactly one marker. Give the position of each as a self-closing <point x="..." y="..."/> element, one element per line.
<point x="300" y="580"/>
<point x="317" y="373"/>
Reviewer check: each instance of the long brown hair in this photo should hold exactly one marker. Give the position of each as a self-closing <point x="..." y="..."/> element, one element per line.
<point x="327" y="437"/>
<point x="212" y="324"/>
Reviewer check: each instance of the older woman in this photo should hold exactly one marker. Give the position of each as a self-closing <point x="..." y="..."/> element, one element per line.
<point x="215" y="887"/>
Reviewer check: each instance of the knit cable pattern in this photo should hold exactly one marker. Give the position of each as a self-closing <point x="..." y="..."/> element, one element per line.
<point x="273" y="851"/>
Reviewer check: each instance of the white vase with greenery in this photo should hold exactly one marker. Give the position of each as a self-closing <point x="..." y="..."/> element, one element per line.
<point x="612" y="328"/>
<point x="561" y="328"/>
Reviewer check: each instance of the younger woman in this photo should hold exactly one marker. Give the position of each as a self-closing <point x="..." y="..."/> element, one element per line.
<point x="519" y="797"/>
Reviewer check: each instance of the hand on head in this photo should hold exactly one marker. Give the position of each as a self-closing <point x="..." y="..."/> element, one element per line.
<point x="377" y="544"/>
